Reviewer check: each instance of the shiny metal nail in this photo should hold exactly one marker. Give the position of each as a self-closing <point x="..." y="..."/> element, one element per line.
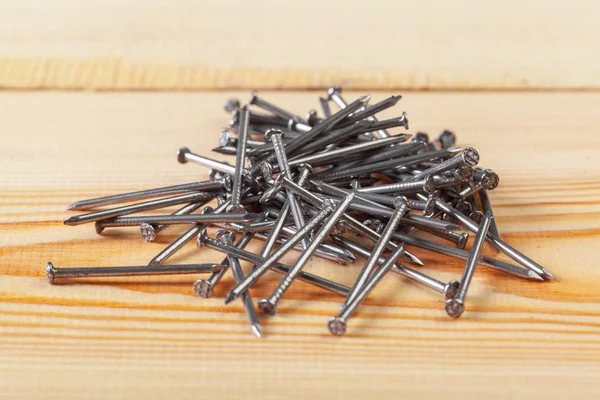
<point x="323" y="126"/>
<point x="401" y="208"/>
<point x="227" y="238"/>
<point x="381" y="165"/>
<point x="456" y="305"/>
<point x="337" y="154"/>
<point x="325" y="107"/>
<point x="469" y="156"/>
<point x="145" y="206"/>
<point x="231" y="105"/>
<point x="184" y="155"/>
<point x="335" y="93"/>
<point x="486" y="206"/>
<point x="280" y="112"/>
<point x="240" y="162"/>
<point x="425" y="185"/>
<point x="352" y="223"/>
<point x="321" y="252"/>
<point x="337" y="325"/>
<point x="177" y="219"/>
<point x="150" y="231"/>
<point x="462" y="254"/>
<point x="216" y="184"/>
<point x="489" y="181"/>
<point x="205" y="287"/>
<point x="53" y="273"/>
<point x="369" y="111"/>
<point x="498" y="243"/>
<point x="458" y="239"/>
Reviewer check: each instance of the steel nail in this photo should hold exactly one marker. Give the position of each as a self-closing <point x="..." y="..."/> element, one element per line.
<point x="227" y="238"/>
<point x="335" y="93"/>
<point x="187" y="237"/>
<point x="269" y="305"/>
<point x="337" y="325"/>
<point x="280" y="112"/>
<point x="149" y="231"/>
<point x="275" y="137"/>
<point x="204" y="288"/>
<point x="456" y="305"/>
<point x="401" y="208"/>
<point x="325" y="107"/>
<point x="184" y="155"/>
<point x="53" y="273"/>
<point x="498" y="243"/>
<point x="469" y="156"/>
<point x="240" y="162"/>
<point x="145" y="206"/>
<point x="178" y="219"/>
<point x="216" y="184"/>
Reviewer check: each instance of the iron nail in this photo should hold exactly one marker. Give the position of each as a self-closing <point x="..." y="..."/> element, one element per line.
<point x="227" y="238"/>
<point x="269" y="305"/>
<point x="401" y="206"/>
<point x="337" y="325"/>
<point x="145" y="206"/>
<point x="280" y="252"/>
<point x="456" y="305"/>
<point x="150" y="231"/>
<point x="240" y="161"/>
<point x="53" y="273"/>
<point x="260" y="102"/>
<point x="205" y="287"/>
<point x="185" y="155"/>
<point x="275" y="137"/>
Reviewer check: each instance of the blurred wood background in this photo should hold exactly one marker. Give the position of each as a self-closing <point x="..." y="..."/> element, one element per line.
<point x="190" y="45"/>
<point x="518" y="80"/>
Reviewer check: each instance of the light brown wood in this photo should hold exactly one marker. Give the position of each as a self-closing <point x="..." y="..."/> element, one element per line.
<point x="152" y="338"/>
<point x="188" y="45"/>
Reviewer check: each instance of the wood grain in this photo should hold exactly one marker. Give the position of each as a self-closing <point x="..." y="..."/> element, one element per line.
<point x="191" y="45"/>
<point x="153" y="338"/>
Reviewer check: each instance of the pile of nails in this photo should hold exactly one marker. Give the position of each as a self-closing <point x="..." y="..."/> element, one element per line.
<point x="335" y="185"/>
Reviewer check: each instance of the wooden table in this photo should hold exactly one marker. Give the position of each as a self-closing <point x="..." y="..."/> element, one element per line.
<point x="151" y="337"/>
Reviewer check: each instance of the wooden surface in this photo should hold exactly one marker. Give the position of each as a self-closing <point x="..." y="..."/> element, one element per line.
<point x="152" y="338"/>
<point x="189" y="44"/>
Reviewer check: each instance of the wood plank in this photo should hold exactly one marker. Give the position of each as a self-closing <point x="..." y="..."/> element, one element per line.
<point x="190" y="45"/>
<point x="153" y="338"/>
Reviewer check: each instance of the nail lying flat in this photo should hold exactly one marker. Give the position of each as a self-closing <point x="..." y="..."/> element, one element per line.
<point x="133" y="208"/>
<point x="178" y="219"/>
<point x="216" y="184"/>
<point x="53" y="273"/>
